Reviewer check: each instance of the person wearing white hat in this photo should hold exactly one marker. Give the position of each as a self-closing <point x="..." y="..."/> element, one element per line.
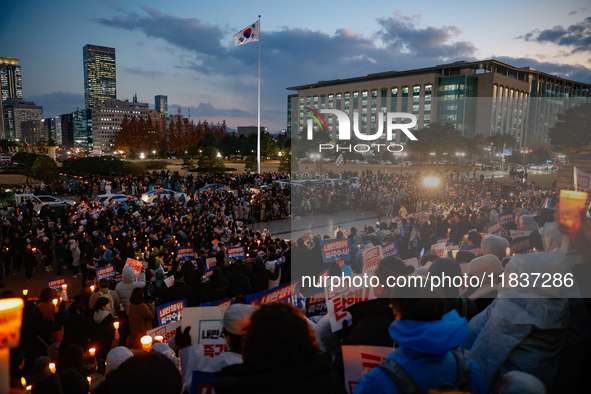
<point x="117" y="356"/>
<point x="484" y="266"/>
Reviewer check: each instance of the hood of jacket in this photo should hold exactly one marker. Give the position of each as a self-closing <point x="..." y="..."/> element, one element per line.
<point x="432" y="337"/>
<point x="128" y="275"/>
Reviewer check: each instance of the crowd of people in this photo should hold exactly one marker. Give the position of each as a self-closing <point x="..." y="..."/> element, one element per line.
<point x="476" y="339"/>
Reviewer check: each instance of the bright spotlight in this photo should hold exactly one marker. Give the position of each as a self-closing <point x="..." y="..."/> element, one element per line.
<point x="431" y="181"/>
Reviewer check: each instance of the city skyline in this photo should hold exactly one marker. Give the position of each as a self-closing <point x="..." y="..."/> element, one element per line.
<point x="188" y="54"/>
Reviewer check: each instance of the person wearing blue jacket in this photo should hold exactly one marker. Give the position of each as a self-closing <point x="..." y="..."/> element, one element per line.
<point x="426" y="357"/>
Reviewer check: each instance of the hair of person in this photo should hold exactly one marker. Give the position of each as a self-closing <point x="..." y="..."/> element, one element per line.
<point x="449" y="267"/>
<point x="475" y="238"/>
<point x="137" y="296"/>
<point x="134" y="341"/>
<point x="47" y="295"/>
<point x="265" y="346"/>
<point x="71" y="357"/>
<point x="101" y="303"/>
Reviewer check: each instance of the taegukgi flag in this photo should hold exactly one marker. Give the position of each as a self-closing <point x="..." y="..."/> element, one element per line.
<point x="248" y="34"/>
<point x="339" y="160"/>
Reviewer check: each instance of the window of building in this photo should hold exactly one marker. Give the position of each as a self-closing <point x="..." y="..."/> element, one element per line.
<point x="393" y="99"/>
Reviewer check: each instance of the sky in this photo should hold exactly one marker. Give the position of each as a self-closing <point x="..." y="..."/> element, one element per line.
<point x="184" y="49"/>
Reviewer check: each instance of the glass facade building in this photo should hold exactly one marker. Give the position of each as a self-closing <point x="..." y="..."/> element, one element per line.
<point x="83" y="128"/>
<point x="100" y="75"/>
<point x="11" y="87"/>
<point x="161" y="104"/>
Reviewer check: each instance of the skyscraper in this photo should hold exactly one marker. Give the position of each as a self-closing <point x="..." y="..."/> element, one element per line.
<point x="100" y="76"/>
<point x="11" y="87"/>
<point x="17" y="111"/>
<point x="161" y="104"/>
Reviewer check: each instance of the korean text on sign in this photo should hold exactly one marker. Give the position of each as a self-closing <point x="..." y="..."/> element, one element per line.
<point x="170" y="312"/>
<point x="335" y="249"/>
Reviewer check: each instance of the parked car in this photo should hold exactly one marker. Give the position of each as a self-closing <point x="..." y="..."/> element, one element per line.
<point x="152" y="195"/>
<point x="52" y="199"/>
<point x="211" y="187"/>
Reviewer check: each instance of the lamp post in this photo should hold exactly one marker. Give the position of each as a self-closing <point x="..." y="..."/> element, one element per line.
<point x="402" y="156"/>
<point x="460" y="155"/>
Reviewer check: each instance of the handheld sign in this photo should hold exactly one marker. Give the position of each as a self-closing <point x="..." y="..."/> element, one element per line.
<point x="210" y="262"/>
<point x="169" y="281"/>
<point x="390" y="249"/>
<point x="206" y="323"/>
<point x="506" y="218"/>
<point x="519" y="233"/>
<point x="315" y="303"/>
<point x="287" y="293"/>
<point x="185" y="253"/>
<point x="106" y="273"/>
<point x="371" y="258"/>
<point x="476" y="249"/>
<point x="171" y="312"/>
<point x="236" y="253"/>
<point x="136" y="265"/>
<point x="166" y="332"/>
<point x="359" y="360"/>
<point x="335" y="249"/>
<point x="520" y="245"/>
<point x="227" y="302"/>
<point x="56" y="284"/>
<point x="201" y="382"/>
<point x="438" y="249"/>
<point x="494" y="228"/>
<point x="340" y="298"/>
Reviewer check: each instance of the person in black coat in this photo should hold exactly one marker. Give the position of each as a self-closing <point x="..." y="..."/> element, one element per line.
<point x="76" y="325"/>
<point x="240" y="282"/>
<point x="178" y="291"/>
<point x="260" y="276"/>
<point x="29" y="261"/>
<point x="218" y="287"/>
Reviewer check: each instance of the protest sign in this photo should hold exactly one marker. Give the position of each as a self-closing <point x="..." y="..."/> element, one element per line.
<point x="476" y="249"/>
<point x="520" y="245"/>
<point x="390" y="249"/>
<point x="169" y="281"/>
<point x="171" y="312"/>
<point x="287" y="293"/>
<point x="106" y="273"/>
<point x="166" y="332"/>
<point x="359" y="360"/>
<point x="438" y="249"/>
<point x="315" y="302"/>
<point x="506" y="218"/>
<point x="201" y="382"/>
<point x="185" y="253"/>
<point x="227" y="302"/>
<point x="584" y="184"/>
<point x="207" y="274"/>
<point x="494" y="228"/>
<point x="206" y="330"/>
<point x="210" y="262"/>
<point x="371" y="258"/>
<point x="335" y="249"/>
<point x="137" y="266"/>
<point x="236" y="253"/>
<point x="339" y="298"/>
<point x="519" y="233"/>
<point x="56" y="284"/>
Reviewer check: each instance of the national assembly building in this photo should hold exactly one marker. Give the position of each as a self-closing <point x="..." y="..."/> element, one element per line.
<point x="483" y="97"/>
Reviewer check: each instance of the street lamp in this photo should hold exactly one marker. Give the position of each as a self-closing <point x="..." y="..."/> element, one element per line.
<point x="142" y="155"/>
<point x="280" y="154"/>
<point x="219" y="155"/>
<point x="460" y="155"/>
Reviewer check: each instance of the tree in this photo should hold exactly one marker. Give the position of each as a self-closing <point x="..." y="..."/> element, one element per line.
<point x="251" y="163"/>
<point x="188" y="163"/>
<point x="211" y="161"/>
<point x="499" y="140"/>
<point x="437" y="137"/>
<point x="44" y="168"/>
<point x="285" y="164"/>
<point x="571" y="134"/>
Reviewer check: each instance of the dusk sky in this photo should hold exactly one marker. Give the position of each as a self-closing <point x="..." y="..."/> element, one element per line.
<point x="184" y="49"/>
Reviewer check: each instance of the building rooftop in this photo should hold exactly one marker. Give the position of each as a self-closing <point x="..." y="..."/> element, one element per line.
<point x="441" y="69"/>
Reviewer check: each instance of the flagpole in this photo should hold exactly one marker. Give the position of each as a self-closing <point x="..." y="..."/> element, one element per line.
<point x="259" y="107"/>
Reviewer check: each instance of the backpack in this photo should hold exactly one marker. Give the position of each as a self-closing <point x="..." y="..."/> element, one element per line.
<point x="108" y="296"/>
<point x="406" y="385"/>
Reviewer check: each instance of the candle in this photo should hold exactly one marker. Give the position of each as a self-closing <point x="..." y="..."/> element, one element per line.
<point x="116" y="325"/>
<point x="52" y="367"/>
<point x="146" y="342"/>
<point x="25" y="292"/>
<point x="454" y="253"/>
<point x="508" y="251"/>
<point x="92" y="351"/>
<point x="159" y="338"/>
<point x="11" y="317"/>
<point x="89" y="380"/>
<point x="64" y="287"/>
<point x="92" y="288"/>
<point x="571" y="203"/>
<point x="54" y="302"/>
<point x="29" y="388"/>
<point x="23" y="382"/>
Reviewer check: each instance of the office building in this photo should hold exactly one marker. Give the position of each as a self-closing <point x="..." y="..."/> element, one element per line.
<point x="100" y="75"/>
<point x="32" y="132"/>
<point x="82" y="120"/>
<point x="11" y="87"/>
<point x="64" y="130"/>
<point x="483" y="97"/>
<point x="161" y="105"/>
<point x="48" y="125"/>
<point x="106" y="121"/>
<point x="17" y="111"/>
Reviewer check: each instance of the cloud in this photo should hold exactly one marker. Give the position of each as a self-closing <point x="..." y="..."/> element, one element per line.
<point x="143" y="73"/>
<point x="58" y="103"/>
<point x="186" y="33"/>
<point x="576" y="36"/>
<point x="578" y="11"/>
<point x="206" y="110"/>
<point x="575" y="72"/>
<point x="113" y="4"/>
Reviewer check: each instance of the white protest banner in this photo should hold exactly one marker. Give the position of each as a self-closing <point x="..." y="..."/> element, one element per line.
<point x="359" y="360"/>
<point x="206" y="329"/>
<point x="136" y="265"/>
<point x="352" y="289"/>
<point x="167" y="332"/>
<point x="371" y="258"/>
<point x="169" y="281"/>
<point x="438" y="249"/>
<point x="519" y="233"/>
<point x="584" y="183"/>
<point x="210" y="262"/>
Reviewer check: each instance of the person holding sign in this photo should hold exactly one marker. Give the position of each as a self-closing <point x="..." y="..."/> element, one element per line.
<point x="125" y="287"/>
<point x="280" y="354"/>
<point x="426" y="357"/>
